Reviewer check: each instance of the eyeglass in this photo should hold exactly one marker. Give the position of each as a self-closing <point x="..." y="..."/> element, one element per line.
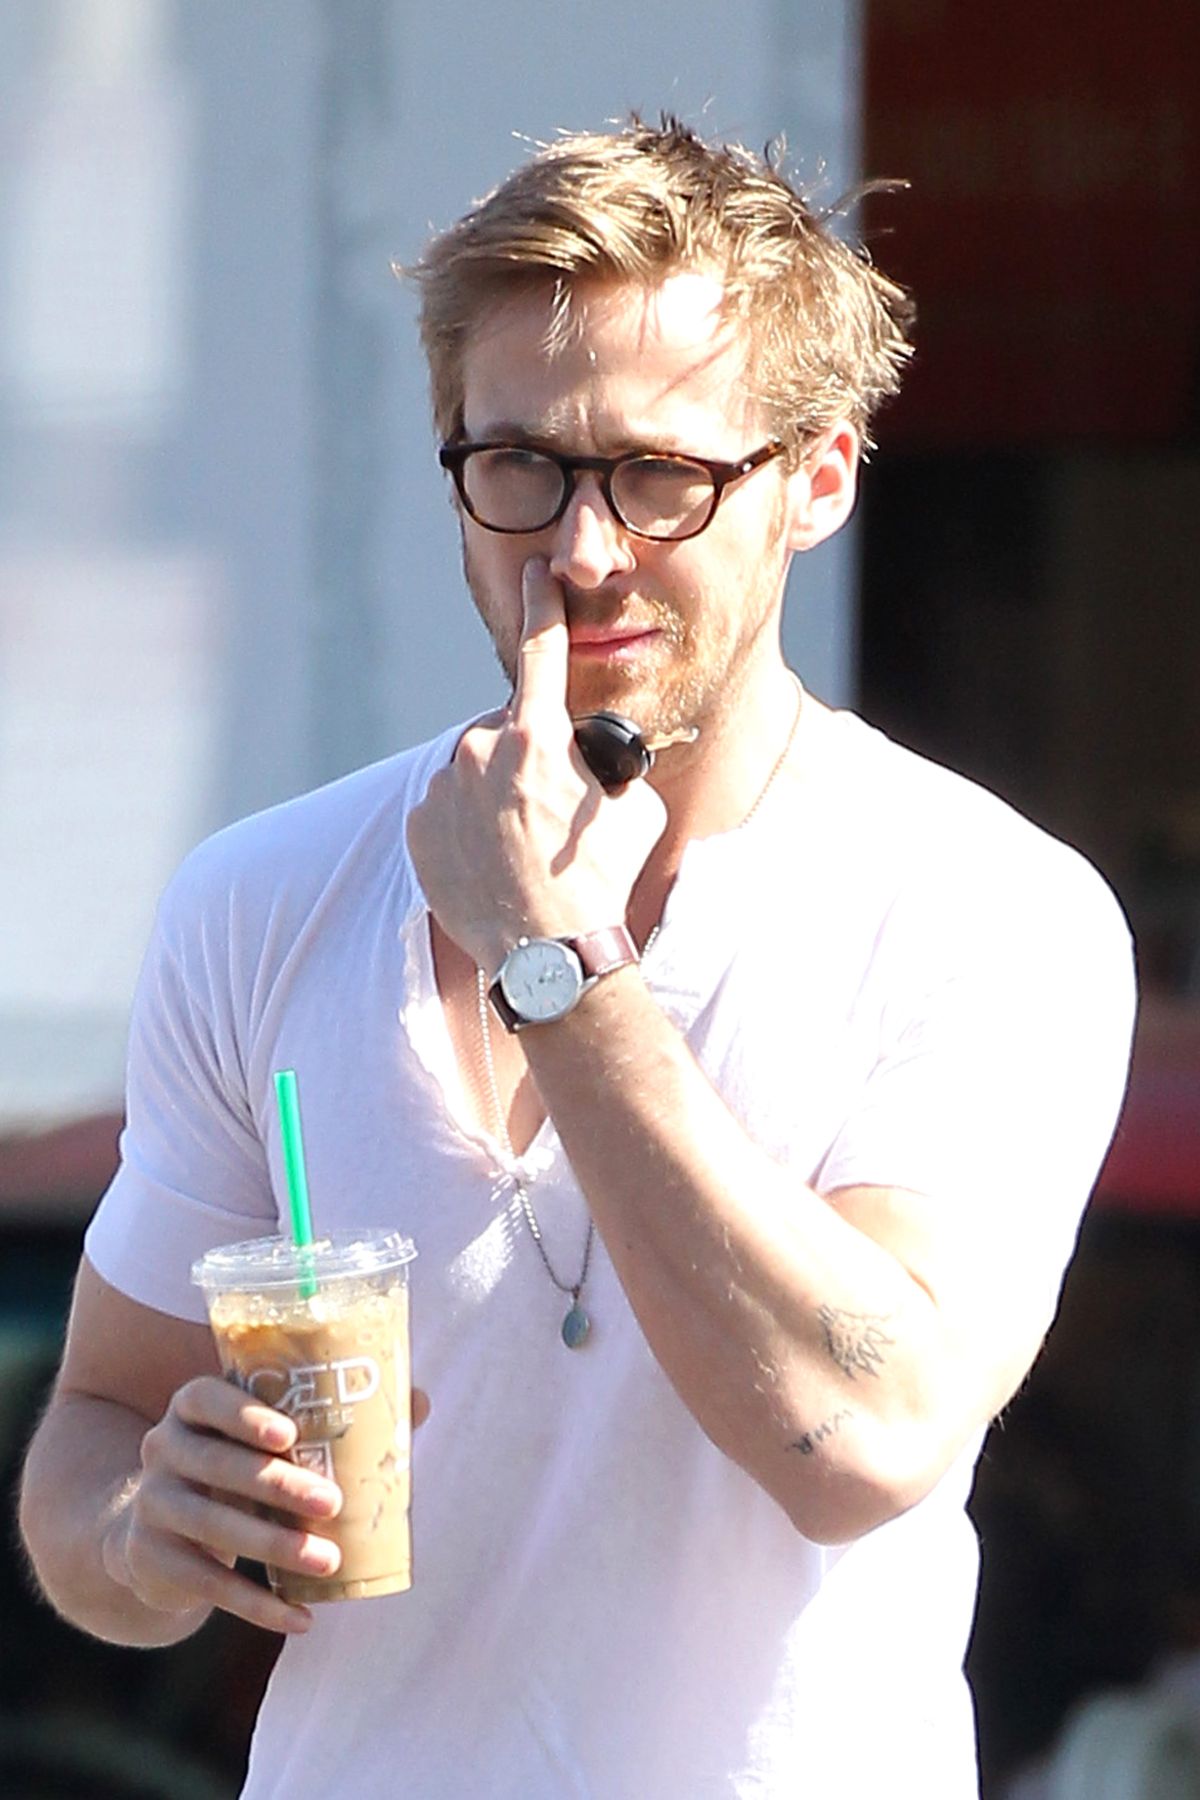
<point x="513" y="488"/>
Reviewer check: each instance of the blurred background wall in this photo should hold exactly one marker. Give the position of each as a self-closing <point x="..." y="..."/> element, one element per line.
<point x="228" y="571"/>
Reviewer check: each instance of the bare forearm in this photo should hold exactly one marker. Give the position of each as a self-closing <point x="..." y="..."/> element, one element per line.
<point x="805" y="1350"/>
<point x="81" y="1471"/>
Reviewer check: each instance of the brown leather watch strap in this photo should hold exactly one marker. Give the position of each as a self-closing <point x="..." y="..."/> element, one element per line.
<point x="600" y="952"/>
<point x="596" y="952"/>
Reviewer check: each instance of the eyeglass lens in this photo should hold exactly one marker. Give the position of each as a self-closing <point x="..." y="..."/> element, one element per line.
<point x="513" y="489"/>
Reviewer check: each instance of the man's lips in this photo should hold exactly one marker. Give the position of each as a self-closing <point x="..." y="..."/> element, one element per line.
<point x="612" y="640"/>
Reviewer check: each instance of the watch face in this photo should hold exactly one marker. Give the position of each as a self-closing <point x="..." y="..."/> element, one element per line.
<point x="541" y="979"/>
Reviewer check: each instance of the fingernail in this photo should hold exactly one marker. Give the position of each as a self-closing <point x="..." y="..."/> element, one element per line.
<point x="320" y="1556"/>
<point x="323" y="1498"/>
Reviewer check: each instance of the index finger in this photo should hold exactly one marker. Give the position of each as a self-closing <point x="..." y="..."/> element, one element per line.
<point x="543" y="653"/>
<point x="209" y="1403"/>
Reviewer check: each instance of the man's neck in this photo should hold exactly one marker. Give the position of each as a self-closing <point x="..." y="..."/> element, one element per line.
<point x="713" y="785"/>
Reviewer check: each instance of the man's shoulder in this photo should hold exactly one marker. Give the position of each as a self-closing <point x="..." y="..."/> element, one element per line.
<point x="939" y="844"/>
<point x="288" y="854"/>
<point x="906" y="804"/>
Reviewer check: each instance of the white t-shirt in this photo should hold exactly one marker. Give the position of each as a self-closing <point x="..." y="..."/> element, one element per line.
<point x="892" y="979"/>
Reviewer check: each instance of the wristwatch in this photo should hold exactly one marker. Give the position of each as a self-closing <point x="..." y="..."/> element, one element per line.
<point x="541" y="979"/>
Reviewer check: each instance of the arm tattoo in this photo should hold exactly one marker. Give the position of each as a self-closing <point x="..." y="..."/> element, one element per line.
<point x="808" y="1443"/>
<point x="854" y="1340"/>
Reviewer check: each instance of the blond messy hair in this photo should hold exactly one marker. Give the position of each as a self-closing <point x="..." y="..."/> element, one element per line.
<point x="827" y="331"/>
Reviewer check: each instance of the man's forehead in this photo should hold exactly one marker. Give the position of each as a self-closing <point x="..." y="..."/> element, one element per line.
<point x="672" y="343"/>
<point x="686" y="309"/>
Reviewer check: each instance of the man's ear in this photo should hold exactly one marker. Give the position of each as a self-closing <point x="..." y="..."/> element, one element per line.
<point x="822" y="491"/>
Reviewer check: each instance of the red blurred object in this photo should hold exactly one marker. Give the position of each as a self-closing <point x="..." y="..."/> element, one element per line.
<point x="1052" y="234"/>
<point x="67" y="1165"/>
<point x="1154" y="1164"/>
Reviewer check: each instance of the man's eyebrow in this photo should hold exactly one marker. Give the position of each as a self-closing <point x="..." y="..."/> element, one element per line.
<point x="504" y="431"/>
<point x="548" y="436"/>
<point x="528" y="437"/>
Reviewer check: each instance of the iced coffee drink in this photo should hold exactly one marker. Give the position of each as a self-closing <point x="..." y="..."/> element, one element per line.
<point x="322" y="1335"/>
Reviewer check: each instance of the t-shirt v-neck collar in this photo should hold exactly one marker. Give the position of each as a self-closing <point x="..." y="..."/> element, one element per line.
<point x="424" y="1018"/>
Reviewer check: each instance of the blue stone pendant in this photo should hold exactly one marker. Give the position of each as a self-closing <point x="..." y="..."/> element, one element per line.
<point x="575" y="1327"/>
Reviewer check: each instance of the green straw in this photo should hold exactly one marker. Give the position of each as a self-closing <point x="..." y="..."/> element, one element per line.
<point x="297" y="1179"/>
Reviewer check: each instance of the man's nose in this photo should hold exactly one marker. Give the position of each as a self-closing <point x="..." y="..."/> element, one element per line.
<point x="590" y="543"/>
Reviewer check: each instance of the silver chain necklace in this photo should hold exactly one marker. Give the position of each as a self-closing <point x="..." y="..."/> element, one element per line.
<point x="577" y="1325"/>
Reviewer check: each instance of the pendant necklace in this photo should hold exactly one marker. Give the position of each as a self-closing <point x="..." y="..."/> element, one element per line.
<point x="577" y="1325"/>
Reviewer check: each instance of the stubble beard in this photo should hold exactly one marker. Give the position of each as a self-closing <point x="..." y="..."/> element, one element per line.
<point x="693" y="681"/>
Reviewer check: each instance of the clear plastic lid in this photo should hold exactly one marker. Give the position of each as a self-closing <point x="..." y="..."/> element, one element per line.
<point x="277" y="1262"/>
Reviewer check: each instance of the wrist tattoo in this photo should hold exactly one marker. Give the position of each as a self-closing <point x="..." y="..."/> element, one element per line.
<point x="855" y="1341"/>
<point x="808" y="1443"/>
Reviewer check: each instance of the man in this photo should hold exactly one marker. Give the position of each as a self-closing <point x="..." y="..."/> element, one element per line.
<point x="743" y="1204"/>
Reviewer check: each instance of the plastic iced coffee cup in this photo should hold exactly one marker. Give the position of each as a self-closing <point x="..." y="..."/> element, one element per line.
<point x="320" y="1332"/>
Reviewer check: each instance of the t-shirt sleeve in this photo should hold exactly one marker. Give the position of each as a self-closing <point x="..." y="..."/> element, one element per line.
<point x="999" y="1081"/>
<point x="193" y="1173"/>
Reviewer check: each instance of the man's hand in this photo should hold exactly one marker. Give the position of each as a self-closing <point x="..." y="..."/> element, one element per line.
<point x="517" y="837"/>
<point x="181" y="1524"/>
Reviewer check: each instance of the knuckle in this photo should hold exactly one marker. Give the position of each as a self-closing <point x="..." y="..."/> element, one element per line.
<point x="194" y="1402"/>
<point x="539" y="756"/>
<point x="279" y="1482"/>
<point x="155" y="1454"/>
<point x="280" y="1545"/>
<point x="521" y="740"/>
<point x="147" y="1502"/>
<point x="208" y="1581"/>
<point x="473" y="750"/>
<point x="182" y="1509"/>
